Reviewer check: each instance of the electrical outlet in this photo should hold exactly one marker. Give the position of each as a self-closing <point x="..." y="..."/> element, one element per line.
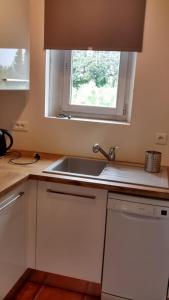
<point x="161" y="138"/>
<point x="20" y="126"/>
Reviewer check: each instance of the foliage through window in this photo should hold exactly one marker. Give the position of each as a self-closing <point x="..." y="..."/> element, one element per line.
<point x="89" y="84"/>
<point x="95" y="78"/>
<point x="13" y="69"/>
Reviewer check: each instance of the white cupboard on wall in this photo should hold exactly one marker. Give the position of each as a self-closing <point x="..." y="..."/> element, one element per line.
<point x="14" y="44"/>
<point x="14" y="23"/>
<point x="12" y="239"/>
<point x="70" y="230"/>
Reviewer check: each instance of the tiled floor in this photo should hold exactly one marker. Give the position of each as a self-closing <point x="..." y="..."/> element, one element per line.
<point x="34" y="291"/>
<point x="40" y="285"/>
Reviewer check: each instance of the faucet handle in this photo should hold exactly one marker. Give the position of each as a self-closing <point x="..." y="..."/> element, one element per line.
<point x="112" y="152"/>
<point x="96" y="148"/>
<point x="113" y="148"/>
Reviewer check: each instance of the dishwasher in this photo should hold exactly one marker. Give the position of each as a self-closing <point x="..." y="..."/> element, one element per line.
<point x="136" y="258"/>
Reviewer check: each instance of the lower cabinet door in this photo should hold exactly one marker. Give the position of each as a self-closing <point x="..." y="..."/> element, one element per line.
<point x="70" y="230"/>
<point x="12" y="239"/>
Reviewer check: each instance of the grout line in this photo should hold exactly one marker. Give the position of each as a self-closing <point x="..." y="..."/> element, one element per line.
<point x="38" y="293"/>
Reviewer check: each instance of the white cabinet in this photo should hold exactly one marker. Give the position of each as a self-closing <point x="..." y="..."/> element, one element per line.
<point x="70" y="230"/>
<point x="12" y="239"/>
<point x="14" y="45"/>
<point x="14" y="24"/>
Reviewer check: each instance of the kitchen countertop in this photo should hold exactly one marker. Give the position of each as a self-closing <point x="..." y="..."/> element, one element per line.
<point x="11" y="175"/>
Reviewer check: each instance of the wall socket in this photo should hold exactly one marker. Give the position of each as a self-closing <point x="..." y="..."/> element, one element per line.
<point x="20" y="126"/>
<point x="161" y="138"/>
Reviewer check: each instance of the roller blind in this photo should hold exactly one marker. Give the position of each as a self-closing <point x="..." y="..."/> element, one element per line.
<point x="14" y="23"/>
<point x="115" y="25"/>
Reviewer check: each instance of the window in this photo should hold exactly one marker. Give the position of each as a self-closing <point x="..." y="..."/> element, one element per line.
<point x="14" y="69"/>
<point x="89" y="84"/>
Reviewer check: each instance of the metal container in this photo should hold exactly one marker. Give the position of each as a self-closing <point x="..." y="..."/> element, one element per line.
<point x="152" y="161"/>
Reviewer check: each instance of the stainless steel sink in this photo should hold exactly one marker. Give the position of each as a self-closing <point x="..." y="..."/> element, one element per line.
<point x="104" y="170"/>
<point x="76" y="166"/>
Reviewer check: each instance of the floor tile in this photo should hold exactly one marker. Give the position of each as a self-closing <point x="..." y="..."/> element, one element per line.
<point x="28" y="292"/>
<point x="87" y="297"/>
<point x="67" y="283"/>
<point x="38" y="285"/>
<point x="58" y="294"/>
<point x="38" y="276"/>
<point x="93" y="289"/>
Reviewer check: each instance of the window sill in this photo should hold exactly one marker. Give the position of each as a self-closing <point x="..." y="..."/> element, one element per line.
<point x="97" y="121"/>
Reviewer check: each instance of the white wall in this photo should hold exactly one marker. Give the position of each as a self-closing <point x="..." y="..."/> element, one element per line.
<point x="150" y="106"/>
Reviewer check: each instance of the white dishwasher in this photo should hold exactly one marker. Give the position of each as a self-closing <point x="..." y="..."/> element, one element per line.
<point x="136" y="259"/>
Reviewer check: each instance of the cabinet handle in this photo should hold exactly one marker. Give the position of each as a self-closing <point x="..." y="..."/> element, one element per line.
<point x="71" y="194"/>
<point x="10" y="201"/>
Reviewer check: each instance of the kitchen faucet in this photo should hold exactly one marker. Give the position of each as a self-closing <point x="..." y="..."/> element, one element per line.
<point x="110" y="156"/>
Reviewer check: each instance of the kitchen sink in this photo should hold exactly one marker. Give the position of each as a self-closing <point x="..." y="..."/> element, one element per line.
<point x="108" y="171"/>
<point x="76" y="166"/>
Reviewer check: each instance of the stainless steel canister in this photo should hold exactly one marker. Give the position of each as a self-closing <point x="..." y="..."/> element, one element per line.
<point x="152" y="161"/>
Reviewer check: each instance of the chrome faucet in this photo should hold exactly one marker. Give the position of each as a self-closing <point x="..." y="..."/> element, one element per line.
<point x="110" y="156"/>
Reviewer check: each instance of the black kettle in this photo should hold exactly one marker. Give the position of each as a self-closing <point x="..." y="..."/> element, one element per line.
<point x="3" y="146"/>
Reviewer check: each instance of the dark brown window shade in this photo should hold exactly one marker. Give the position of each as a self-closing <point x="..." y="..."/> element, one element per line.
<point x="115" y="25"/>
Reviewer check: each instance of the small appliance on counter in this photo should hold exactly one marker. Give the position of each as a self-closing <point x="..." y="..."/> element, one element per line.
<point x="3" y="141"/>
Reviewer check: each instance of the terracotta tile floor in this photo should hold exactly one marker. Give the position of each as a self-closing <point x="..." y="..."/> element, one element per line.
<point x="38" y="285"/>
<point x="35" y="291"/>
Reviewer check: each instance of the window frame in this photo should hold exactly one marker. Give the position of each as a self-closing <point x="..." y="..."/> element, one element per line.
<point x="59" y="102"/>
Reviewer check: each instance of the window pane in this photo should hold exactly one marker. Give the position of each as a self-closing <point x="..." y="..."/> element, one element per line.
<point x="13" y="69"/>
<point x="95" y="78"/>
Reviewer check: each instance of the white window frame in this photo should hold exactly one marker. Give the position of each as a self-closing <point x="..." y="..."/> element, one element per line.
<point x="58" y="103"/>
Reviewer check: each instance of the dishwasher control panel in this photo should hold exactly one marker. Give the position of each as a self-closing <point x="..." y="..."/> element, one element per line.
<point x="139" y="209"/>
<point x="161" y="212"/>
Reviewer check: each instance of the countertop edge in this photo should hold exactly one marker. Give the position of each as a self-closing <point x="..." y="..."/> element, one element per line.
<point x="123" y="188"/>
